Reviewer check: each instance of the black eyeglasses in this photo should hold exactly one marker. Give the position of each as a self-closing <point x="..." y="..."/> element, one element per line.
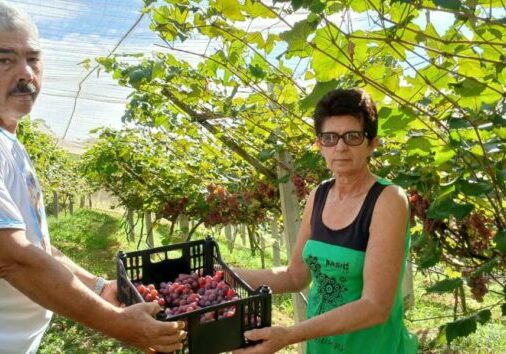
<point x="351" y="138"/>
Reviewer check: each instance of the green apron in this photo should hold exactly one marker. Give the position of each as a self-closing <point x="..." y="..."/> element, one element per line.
<point x="337" y="279"/>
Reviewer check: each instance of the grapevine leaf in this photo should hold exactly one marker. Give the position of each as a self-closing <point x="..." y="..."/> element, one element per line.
<point x="483" y="316"/>
<point x="320" y="89"/>
<point x="500" y="241"/>
<point x="460" y="328"/>
<point x="443" y="209"/>
<point x="445" y="285"/>
<point x="471" y="188"/>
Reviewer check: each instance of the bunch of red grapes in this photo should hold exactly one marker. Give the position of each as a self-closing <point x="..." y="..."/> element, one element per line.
<point x="244" y="206"/>
<point x="190" y="292"/>
<point x="174" y="208"/>
<point x="301" y="188"/>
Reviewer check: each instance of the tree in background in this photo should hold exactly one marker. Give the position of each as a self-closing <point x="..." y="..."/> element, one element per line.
<point x="58" y="170"/>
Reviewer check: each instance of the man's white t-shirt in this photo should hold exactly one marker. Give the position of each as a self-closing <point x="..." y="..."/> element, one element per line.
<point x="22" y="321"/>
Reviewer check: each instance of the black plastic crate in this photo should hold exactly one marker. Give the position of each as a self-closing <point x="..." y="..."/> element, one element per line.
<point x="162" y="264"/>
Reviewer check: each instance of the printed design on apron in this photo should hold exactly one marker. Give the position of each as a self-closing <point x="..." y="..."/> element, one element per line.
<point x="330" y="291"/>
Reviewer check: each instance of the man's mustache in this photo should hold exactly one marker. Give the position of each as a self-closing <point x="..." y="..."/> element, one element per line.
<point x="24" y="87"/>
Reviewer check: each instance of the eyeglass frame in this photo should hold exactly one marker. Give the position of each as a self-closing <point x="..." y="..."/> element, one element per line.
<point x="363" y="133"/>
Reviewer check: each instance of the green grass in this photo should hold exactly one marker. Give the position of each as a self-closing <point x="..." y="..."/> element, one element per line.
<point x="93" y="238"/>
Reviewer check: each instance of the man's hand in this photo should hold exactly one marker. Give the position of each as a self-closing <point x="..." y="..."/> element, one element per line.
<point x="273" y="339"/>
<point x="142" y="331"/>
<point x="110" y="292"/>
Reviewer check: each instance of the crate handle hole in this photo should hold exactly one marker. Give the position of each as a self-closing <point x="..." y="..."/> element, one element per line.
<point x="162" y="256"/>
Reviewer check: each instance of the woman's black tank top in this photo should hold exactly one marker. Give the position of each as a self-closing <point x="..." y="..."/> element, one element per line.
<point x="355" y="235"/>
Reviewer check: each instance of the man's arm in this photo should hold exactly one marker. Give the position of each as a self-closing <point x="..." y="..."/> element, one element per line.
<point x="110" y="290"/>
<point x="86" y="277"/>
<point x="47" y="282"/>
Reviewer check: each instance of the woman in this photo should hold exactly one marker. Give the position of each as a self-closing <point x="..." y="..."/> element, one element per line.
<point x="352" y="246"/>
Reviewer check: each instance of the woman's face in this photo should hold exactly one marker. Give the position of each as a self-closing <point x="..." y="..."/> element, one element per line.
<point x="341" y="158"/>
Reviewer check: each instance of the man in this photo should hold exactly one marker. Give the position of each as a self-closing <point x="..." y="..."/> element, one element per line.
<point x="35" y="278"/>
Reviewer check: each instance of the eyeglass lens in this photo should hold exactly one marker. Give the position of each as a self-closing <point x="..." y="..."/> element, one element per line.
<point x="351" y="138"/>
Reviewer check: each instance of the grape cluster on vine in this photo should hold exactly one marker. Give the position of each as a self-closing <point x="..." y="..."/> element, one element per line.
<point x="477" y="284"/>
<point x="301" y="188"/>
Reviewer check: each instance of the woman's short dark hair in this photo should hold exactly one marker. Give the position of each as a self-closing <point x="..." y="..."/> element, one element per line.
<point x="353" y="102"/>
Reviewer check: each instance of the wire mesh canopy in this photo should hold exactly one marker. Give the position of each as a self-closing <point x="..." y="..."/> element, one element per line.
<point x="76" y="98"/>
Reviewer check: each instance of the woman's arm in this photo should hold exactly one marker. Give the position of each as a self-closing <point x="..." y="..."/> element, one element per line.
<point x="382" y="267"/>
<point x="293" y="277"/>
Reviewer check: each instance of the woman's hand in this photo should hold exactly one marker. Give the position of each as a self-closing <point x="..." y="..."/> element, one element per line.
<point x="273" y="339"/>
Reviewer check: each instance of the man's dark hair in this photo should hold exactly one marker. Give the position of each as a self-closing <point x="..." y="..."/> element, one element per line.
<point x="353" y="102"/>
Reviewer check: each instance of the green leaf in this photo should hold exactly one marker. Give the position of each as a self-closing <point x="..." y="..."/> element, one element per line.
<point x="458" y="123"/>
<point x="320" y="89"/>
<point x="297" y="4"/>
<point x="500" y="241"/>
<point x="483" y="316"/>
<point x="443" y="155"/>
<point x="296" y="38"/>
<point x="418" y="239"/>
<point x="231" y="9"/>
<point x="475" y="189"/>
<point x="460" y="328"/>
<point x="329" y="61"/>
<point x="257" y="71"/>
<point x="393" y="121"/>
<point x="485" y="268"/>
<point x="266" y="154"/>
<point x="418" y="145"/>
<point x="469" y="87"/>
<point x="135" y="77"/>
<point x="284" y="179"/>
<point x="430" y="255"/>
<point x="256" y="9"/>
<point x="442" y="209"/>
<point x="446" y="285"/>
<point x="448" y="4"/>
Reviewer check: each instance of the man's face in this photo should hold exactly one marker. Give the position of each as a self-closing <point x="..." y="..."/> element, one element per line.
<point x="20" y="75"/>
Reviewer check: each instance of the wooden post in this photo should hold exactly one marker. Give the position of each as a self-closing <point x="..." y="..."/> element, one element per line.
<point x="56" y="204"/>
<point x="149" y="229"/>
<point x="261" y="243"/>
<point x="407" y="287"/>
<point x="184" y="226"/>
<point x="242" y="231"/>
<point x="71" y="204"/>
<point x="130" y="225"/>
<point x="229" y="237"/>
<point x="291" y="222"/>
<point x="276" y="256"/>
